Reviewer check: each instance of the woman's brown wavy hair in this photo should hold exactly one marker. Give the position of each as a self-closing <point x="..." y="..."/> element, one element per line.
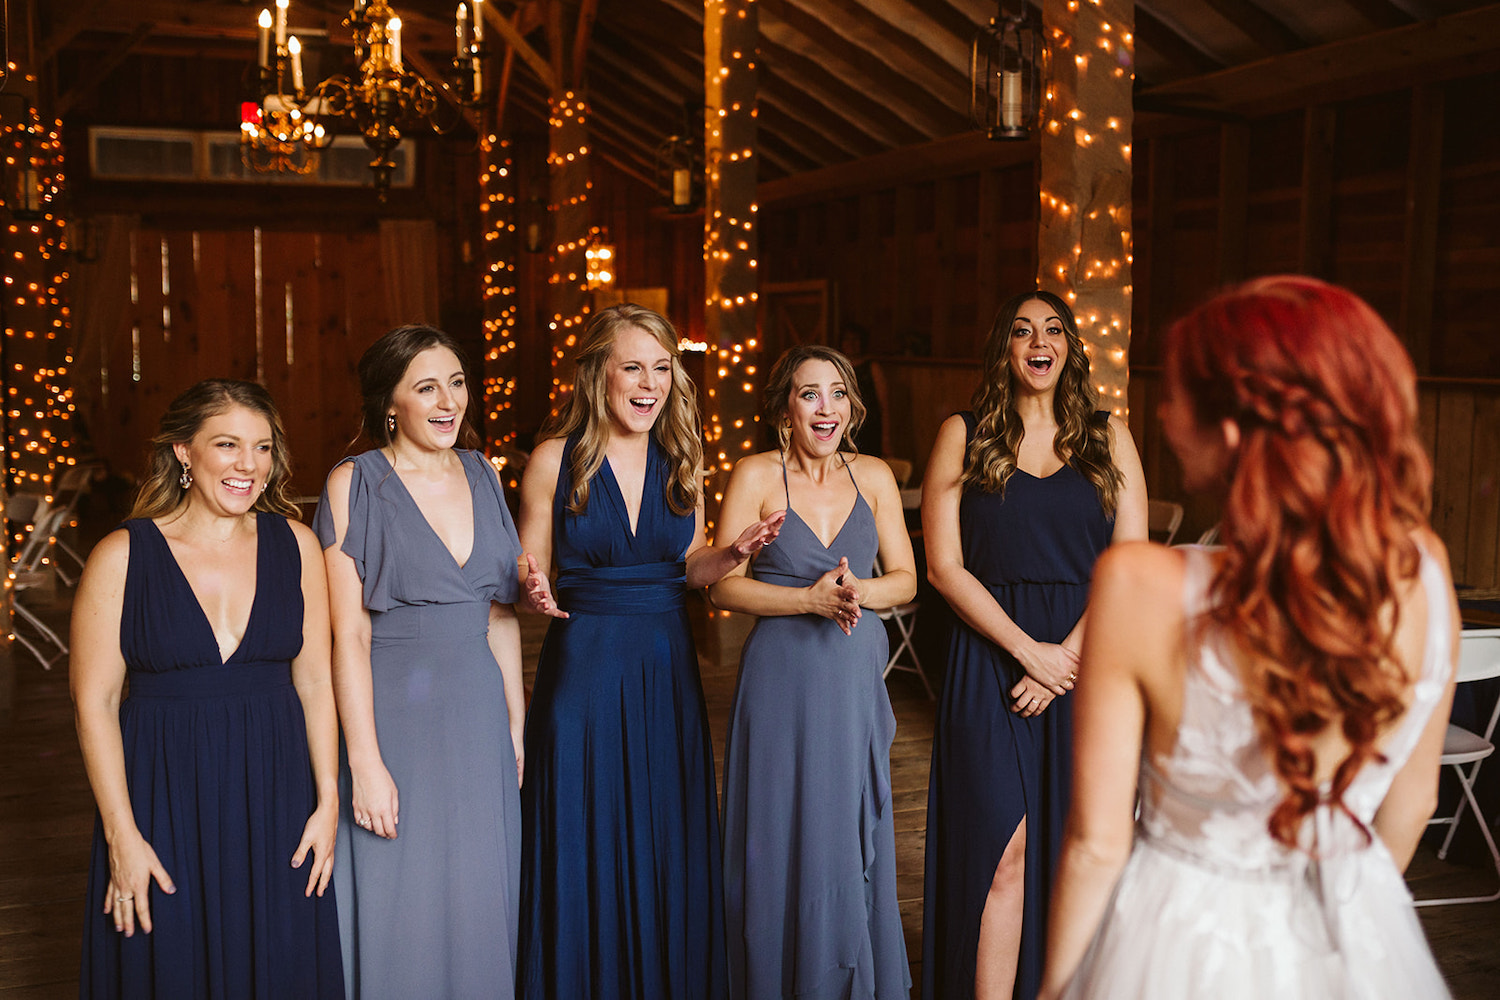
<point x="990" y="459"/>
<point x="1327" y="484"/>
<point x="162" y="492"/>
<point x="677" y="429"/>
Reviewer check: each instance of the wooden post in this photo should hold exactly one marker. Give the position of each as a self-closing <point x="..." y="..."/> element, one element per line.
<point x="498" y="210"/>
<point x="567" y="293"/>
<point x="1084" y="237"/>
<point x="732" y="377"/>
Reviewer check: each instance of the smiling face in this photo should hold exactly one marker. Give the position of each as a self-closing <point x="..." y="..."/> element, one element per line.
<point x="1038" y="346"/>
<point x="819" y="408"/>
<point x="638" y="378"/>
<point x="230" y="460"/>
<point x="429" y="401"/>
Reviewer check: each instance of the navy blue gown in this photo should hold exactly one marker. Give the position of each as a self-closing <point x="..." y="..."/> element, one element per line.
<point x="221" y="787"/>
<point x="1034" y="548"/>
<point x="621" y="893"/>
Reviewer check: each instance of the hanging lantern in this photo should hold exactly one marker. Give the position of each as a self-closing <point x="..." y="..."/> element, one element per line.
<point x="23" y="180"/>
<point x="1008" y="73"/>
<point x="674" y="173"/>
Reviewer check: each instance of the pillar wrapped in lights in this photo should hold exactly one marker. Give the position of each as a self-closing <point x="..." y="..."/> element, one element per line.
<point x="730" y="34"/>
<point x="497" y="212"/>
<point x="1008" y="72"/>
<point x="1084" y="237"/>
<point x="35" y="308"/>
<point x="567" y="293"/>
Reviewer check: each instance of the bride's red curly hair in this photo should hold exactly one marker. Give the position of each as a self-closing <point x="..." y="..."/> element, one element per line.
<point x="1327" y="484"/>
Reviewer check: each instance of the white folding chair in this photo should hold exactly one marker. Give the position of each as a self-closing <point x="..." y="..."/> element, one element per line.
<point x="1464" y="751"/>
<point x="72" y="486"/>
<point x="1163" y="518"/>
<point x="33" y="569"/>
<point x="904" y="617"/>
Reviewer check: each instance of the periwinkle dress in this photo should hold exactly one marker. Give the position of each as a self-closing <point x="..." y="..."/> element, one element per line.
<point x="1034" y="548"/>
<point x="621" y="890"/>
<point x="809" y="830"/>
<point x="433" y="912"/>
<point x="221" y="787"/>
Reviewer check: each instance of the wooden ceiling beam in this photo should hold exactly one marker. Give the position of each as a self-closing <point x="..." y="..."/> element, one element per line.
<point x="1455" y="45"/>
<point x="894" y="26"/>
<point x="511" y="33"/>
<point x="81" y="18"/>
<point x="1270" y="35"/>
<point x="864" y="67"/>
<point x="777" y="154"/>
<point x="582" y="32"/>
<point x="873" y="116"/>
<point x="820" y="148"/>
<point x="99" y="70"/>
<point x="1381" y="14"/>
<point x="1175" y="50"/>
<point x="803" y="107"/>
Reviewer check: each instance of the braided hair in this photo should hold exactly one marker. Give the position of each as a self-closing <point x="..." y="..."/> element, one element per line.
<point x="1327" y="484"/>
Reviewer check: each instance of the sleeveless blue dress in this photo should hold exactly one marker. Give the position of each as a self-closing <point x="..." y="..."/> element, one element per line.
<point x="809" y="831"/>
<point x="1034" y="548"/>
<point x="433" y="912"/>
<point x="621" y="895"/>
<point x="221" y="787"/>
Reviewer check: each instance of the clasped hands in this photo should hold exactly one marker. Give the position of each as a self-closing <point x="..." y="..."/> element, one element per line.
<point x="1051" y="671"/>
<point x="836" y="596"/>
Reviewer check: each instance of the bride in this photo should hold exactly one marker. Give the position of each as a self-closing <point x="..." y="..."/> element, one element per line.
<point x="1284" y="698"/>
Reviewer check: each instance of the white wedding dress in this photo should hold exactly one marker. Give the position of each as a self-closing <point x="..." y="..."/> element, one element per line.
<point x="1209" y="905"/>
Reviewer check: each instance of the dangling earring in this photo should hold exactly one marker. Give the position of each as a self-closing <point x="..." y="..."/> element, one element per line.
<point x="186" y="479"/>
<point x="390" y="423"/>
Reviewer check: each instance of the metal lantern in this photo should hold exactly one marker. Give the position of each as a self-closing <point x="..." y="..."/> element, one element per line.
<point x="1008" y="73"/>
<point x="675" y="180"/>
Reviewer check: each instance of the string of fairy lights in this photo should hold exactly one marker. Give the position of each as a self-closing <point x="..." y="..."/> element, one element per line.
<point x="39" y="402"/>
<point x="1085" y="248"/>
<point x="498" y="217"/>
<point x="568" y="167"/>
<point x="730" y="239"/>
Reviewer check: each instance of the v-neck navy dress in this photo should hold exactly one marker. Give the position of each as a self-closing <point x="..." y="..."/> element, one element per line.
<point x="433" y="912"/>
<point x="809" y="832"/>
<point x="621" y="895"/>
<point x="221" y="787"/>
<point x="1033" y="547"/>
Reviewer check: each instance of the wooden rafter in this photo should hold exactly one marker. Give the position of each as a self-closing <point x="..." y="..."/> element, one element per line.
<point x="513" y="37"/>
<point x="1381" y="13"/>
<point x="873" y="116"/>
<point x="99" y="70"/>
<point x="1457" y="44"/>
<point x="1269" y="34"/>
<point x="74" y="24"/>
<point x="1174" y="50"/>
<point x="582" y="32"/>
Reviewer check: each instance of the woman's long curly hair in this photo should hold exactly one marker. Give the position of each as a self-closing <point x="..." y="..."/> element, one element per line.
<point x="677" y="430"/>
<point x="162" y="492"/>
<point x="1082" y="438"/>
<point x="776" y="400"/>
<point x="1327" y="484"/>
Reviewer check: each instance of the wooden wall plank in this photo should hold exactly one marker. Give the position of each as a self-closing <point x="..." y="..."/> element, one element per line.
<point x="1315" y="245"/>
<point x="1234" y="201"/>
<point x="1452" y="467"/>
<point x="1482" y="562"/>
<point x="1424" y="180"/>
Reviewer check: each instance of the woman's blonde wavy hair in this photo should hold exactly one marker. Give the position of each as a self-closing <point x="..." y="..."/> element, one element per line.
<point x="1327" y="485"/>
<point x="162" y="492"/>
<point x="1082" y="437"/>
<point x="677" y="429"/>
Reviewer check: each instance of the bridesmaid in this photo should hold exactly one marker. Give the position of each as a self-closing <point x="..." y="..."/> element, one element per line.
<point x="217" y="777"/>
<point x="621" y="892"/>
<point x="1020" y="498"/>
<point x="423" y="568"/>
<point x="809" y="833"/>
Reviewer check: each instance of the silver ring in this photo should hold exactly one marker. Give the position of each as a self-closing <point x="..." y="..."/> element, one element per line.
<point x="124" y="899"/>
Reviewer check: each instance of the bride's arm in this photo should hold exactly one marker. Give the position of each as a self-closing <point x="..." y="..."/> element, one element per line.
<point x="1132" y="629"/>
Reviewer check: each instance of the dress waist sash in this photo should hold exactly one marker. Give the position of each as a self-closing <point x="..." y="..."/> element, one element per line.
<point x="647" y="589"/>
<point x="264" y="677"/>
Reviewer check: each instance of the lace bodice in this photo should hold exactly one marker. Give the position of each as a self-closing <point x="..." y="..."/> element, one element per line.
<point x="1210" y="800"/>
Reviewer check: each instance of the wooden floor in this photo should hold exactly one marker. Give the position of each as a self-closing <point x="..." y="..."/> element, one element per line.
<point x="46" y="817"/>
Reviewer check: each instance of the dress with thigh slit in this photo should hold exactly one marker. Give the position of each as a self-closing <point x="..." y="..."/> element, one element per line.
<point x="1033" y="546"/>
<point x="809" y="829"/>
<point x="221" y="787"/>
